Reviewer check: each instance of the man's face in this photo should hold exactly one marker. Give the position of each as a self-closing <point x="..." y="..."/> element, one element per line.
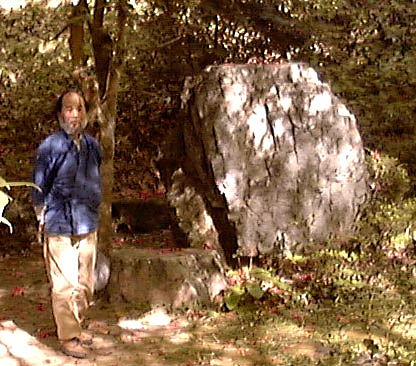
<point x="73" y="116"/>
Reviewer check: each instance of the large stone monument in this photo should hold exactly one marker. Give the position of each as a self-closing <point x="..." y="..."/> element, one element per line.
<point x="267" y="159"/>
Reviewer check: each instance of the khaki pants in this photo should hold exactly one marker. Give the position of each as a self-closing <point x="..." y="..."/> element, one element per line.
<point x="70" y="262"/>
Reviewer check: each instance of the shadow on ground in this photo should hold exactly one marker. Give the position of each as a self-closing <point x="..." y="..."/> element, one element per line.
<point x="123" y="334"/>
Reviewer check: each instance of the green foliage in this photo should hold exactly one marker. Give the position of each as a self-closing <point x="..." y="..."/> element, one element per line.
<point x="357" y="301"/>
<point x="34" y="66"/>
<point x="390" y="218"/>
<point x="5" y="198"/>
<point x="329" y="273"/>
<point x="371" y="68"/>
<point x="251" y="285"/>
<point x="389" y="178"/>
<point x="391" y="224"/>
<point x="4" y="201"/>
<point x="365" y="50"/>
<point x="247" y="286"/>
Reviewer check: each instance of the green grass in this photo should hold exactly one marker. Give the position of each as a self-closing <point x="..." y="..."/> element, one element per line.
<point x="334" y="307"/>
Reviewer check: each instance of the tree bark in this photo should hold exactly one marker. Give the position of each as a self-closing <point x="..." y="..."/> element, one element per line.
<point x="102" y="45"/>
<point x="101" y="93"/>
<point x="76" y="38"/>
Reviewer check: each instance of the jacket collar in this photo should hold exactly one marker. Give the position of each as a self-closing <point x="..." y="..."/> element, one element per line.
<point x="69" y="140"/>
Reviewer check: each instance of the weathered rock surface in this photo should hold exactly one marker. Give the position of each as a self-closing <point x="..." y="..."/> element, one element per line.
<point x="268" y="159"/>
<point x="172" y="278"/>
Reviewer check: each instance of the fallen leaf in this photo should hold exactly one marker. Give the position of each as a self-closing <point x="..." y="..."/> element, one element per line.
<point x="19" y="274"/>
<point x="41" y="307"/>
<point x="297" y="316"/>
<point x="166" y="250"/>
<point x="144" y="195"/>
<point x="44" y="333"/>
<point x="274" y="311"/>
<point x="99" y="327"/>
<point x="118" y="242"/>
<point x="18" y="291"/>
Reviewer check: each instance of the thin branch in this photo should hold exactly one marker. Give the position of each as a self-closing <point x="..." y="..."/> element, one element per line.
<point x="56" y="36"/>
<point x="167" y="43"/>
<point x="117" y="61"/>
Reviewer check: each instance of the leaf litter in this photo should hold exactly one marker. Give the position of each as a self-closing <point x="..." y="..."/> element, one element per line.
<point x="325" y="309"/>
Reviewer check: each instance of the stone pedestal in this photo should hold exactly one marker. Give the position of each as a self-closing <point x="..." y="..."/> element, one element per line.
<point x="172" y="278"/>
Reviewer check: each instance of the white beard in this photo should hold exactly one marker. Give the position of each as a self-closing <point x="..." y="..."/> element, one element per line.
<point x="71" y="130"/>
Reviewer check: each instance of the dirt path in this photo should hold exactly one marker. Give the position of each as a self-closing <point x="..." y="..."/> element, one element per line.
<point x="353" y="331"/>
<point x="122" y="335"/>
<point x="27" y="330"/>
<point x="125" y="335"/>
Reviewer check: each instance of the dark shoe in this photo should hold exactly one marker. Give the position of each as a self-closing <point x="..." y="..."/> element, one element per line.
<point x="86" y="339"/>
<point x="74" y="348"/>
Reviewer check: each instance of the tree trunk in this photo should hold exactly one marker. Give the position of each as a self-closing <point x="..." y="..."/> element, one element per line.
<point x="101" y="93"/>
<point x="271" y="161"/>
<point x="76" y="38"/>
<point x="102" y="46"/>
<point x="107" y="175"/>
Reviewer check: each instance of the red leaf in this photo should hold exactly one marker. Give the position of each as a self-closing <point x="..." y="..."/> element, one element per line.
<point x="274" y="311"/>
<point x="231" y="281"/>
<point x="18" y="291"/>
<point x="118" y="242"/>
<point x="342" y="319"/>
<point x="144" y="195"/>
<point x="297" y="316"/>
<point x="166" y="250"/>
<point x="44" y="333"/>
<point x="40" y="307"/>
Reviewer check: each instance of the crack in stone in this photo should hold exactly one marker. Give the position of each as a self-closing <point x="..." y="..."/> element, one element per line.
<point x="276" y="140"/>
<point x="294" y="136"/>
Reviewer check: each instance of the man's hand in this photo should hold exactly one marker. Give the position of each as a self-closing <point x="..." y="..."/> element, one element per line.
<point x="40" y="216"/>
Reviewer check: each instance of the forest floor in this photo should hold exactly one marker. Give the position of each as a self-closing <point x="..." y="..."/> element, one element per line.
<point x="364" y="324"/>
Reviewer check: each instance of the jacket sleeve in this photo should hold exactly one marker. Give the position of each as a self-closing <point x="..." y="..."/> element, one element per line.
<point x="42" y="174"/>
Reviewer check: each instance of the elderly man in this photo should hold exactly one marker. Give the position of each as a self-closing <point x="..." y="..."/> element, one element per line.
<point x="68" y="172"/>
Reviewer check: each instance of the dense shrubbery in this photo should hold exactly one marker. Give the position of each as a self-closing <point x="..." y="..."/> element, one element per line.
<point x="5" y="198"/>
<point x="365" y="51"/>
<point x="390" y="217"/>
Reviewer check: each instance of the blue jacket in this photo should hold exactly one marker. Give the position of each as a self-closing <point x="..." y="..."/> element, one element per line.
<point x="70" y="181"/>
